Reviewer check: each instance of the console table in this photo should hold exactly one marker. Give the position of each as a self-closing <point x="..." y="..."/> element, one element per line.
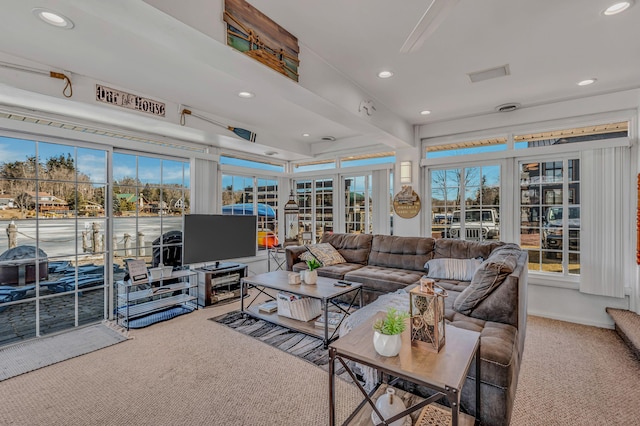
<point x="443" y="372"/>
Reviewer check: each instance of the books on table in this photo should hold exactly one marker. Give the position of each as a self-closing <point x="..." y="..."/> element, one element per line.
<point x="269" y="307"/>
<point x="332" y="322"/>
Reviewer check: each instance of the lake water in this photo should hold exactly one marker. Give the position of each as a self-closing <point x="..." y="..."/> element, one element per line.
<point x="60" y="237"/>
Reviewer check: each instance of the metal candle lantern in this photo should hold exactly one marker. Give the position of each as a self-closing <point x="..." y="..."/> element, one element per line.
<point x="426" y="308"/>
<point x="292" y="221"/>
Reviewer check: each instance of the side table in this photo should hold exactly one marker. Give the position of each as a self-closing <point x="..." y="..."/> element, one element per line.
<point x="443" y="372"/>
<point x="277" y="255"/>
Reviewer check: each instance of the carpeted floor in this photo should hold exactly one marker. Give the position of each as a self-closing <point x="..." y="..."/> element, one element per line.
<point x="191" y="371"/>
<point x="37" y="353"/>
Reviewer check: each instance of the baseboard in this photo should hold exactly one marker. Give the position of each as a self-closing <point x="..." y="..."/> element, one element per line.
<point x="576" y="320"/>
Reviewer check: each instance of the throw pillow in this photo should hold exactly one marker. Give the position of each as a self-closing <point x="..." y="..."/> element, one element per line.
<point x="326" y="254"/>
<point x="306" y="256"/>
<point x="487" y="278"/>
<point x="452" y="269"/>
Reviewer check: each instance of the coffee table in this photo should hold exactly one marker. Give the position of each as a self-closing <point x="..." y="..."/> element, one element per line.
<point x="324" y="290"/>
<point x="444" y="372"/>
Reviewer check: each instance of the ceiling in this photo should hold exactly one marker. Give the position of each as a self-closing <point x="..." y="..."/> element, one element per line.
<point x="175" y="52"/>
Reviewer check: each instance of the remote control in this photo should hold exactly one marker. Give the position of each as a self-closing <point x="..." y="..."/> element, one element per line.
<point x="345" y="283"/>
<point x="340" y="284"/>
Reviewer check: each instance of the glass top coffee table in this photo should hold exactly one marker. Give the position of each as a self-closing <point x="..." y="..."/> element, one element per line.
<point x="443" y="372"/>
<point x="324" y="290"/>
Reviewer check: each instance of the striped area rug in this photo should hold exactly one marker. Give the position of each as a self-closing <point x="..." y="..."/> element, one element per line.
<point x="309" y="348"/>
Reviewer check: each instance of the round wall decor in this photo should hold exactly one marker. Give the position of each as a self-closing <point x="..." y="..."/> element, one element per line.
<point x="406" y="203"/>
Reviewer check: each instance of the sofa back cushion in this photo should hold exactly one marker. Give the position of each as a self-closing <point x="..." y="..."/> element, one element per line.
<point x="460" y="249"/>
<point x="354" y="248"/>
<point x="489" y="276"/>
<point x="401" y="252"/>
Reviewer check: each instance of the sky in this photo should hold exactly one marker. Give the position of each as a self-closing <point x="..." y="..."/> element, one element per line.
<point x="93" y="162"/>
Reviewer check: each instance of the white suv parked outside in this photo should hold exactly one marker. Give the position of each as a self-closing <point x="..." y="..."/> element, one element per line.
<point x="478" y="224"/>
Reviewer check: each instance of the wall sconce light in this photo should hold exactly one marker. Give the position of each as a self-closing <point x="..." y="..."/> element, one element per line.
<point x="405" y="172"/>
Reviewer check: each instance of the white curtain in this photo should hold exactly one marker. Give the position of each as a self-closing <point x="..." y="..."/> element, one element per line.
<point x="605" y="189"/>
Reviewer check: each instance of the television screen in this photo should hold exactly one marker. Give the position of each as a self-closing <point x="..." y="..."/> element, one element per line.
<point x="214" y="237"/>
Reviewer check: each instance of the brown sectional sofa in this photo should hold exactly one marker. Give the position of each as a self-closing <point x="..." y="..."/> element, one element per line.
<point x="391" y="265"/>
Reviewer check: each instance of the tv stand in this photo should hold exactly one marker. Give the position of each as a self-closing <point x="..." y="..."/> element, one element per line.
<point x="220" y="282"/>
<point x="220" y="266"/>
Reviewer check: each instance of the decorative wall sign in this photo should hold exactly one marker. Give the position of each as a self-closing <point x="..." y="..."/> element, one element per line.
<point x="255" y="34"/>
<point x="128" y="100"/>
<point x="406" y="203"/>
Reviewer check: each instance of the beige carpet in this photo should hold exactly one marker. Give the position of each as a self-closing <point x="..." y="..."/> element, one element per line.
<point x="191" y="371"/>
<point x="576" y="375"/>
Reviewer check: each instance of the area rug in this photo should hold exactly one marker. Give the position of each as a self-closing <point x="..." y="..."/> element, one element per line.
<point x="37" y="353"/>
<point x="308" y="348"/>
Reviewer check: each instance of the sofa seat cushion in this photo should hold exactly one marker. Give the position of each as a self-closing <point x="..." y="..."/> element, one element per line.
<point x="498" y="349"/>
<point x="383" y="279"/>
<point x="337" y="271"/>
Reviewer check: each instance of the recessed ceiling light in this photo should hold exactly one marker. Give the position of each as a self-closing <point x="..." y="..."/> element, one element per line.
<point x="53" y="18"/>
<point x="246" y="95"/>
<point x="425" y="112"/>
<point x="385" y="74"/>
<point x="306" y="135"/>
<point x="587" y="82"/>
<point x="618" y="7"/>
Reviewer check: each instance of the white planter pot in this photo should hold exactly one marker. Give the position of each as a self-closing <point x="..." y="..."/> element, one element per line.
<point x="387" y="344"/>
<point x="311" y="277"/>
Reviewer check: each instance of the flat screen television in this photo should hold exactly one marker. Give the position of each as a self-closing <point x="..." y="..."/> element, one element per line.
<point x="215" y="237"/>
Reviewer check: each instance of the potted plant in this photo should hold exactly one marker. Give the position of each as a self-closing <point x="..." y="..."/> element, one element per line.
<point x="311" y="276"/>
<point x="386" y="336"/>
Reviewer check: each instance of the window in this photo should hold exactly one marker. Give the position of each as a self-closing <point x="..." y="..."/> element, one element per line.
<point x="467" y="148"/>
<point x="248" y="195"/>
<point x="315" y="199"/>
<point x="368" y="160"/>
<point x="52" y="206"/>
<point x="358" y="205"/>
<point x="465" y="203"/>
<point x="253" y="164"/>
<point x="314" y="165"/>
<point x="550" y="214"/>
<point x="150" y="196"/>
<point x="574" y="135"/>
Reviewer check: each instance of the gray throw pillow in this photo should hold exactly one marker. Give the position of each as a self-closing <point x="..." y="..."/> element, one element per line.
<point x="487" y="278"/>
<point x="452" y="269"/>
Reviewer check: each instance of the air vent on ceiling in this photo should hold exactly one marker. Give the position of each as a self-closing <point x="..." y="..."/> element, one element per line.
<point x="328" y="138"/>
<point x="507" y="107"/>
<point x="490" y="73"/>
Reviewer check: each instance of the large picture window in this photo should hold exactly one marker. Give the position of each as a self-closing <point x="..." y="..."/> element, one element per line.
<point x="150" y="196"/>
<point x="465" y="203"/>
<point x="248" y="195"/>
<point x="358" y="204"/>
<point x="550" y="214"/>
<point x="315" y="199"/>
<point x="53" y="259"/>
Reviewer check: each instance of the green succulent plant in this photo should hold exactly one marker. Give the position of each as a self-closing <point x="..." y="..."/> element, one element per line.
<point x="313" y="264"/>
<point x="393" y="323"/>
